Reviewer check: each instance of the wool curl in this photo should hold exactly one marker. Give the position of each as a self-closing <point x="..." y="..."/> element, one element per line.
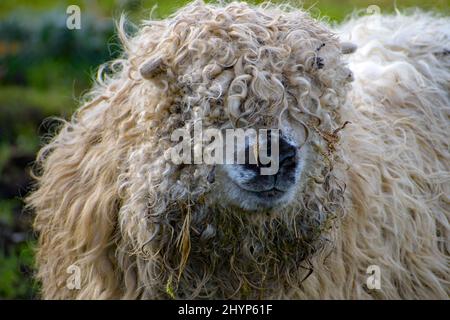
<point x="109" y="200"/>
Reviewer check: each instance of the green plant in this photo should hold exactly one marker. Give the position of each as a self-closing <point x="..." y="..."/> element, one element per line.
<point x="15" y="273"/>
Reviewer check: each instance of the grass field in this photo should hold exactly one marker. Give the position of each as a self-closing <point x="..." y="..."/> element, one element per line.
<point x="44" y="68"/>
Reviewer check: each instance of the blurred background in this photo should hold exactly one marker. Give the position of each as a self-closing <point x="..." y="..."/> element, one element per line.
<point x="45" y="68"/>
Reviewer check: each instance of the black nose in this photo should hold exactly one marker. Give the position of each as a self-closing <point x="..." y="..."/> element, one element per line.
<point x="286" y="155"/>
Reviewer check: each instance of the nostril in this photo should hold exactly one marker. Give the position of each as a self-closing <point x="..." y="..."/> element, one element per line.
<point x="287" y="155"/>
<point x="252" y="167"/>
<point x="286" y="151"/>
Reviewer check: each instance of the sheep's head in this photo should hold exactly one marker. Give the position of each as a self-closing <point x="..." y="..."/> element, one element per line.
<point x="273" y="77"/>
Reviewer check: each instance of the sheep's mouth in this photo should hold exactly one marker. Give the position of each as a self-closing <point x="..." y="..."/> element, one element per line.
<point x="265" y="199"/>
<point x="273" y="193"/>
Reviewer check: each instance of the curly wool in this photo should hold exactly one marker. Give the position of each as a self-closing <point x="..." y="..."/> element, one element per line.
<point x="109" y="201"/>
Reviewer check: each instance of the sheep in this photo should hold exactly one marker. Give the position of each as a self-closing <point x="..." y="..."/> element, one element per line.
<point x="363" y="175"/>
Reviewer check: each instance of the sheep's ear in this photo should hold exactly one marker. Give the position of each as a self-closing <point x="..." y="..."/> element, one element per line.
<point x="150" y="68"/>
<point x="348" y="47"/>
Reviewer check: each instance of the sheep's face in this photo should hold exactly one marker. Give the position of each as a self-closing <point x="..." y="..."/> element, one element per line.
<point x="242" y="69"/>
<point x="255" y="163"/>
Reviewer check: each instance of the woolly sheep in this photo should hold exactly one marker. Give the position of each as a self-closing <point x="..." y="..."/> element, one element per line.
<point x="368" y="185"/>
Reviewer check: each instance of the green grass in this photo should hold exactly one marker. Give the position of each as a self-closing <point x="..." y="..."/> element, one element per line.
<point x="5" y="151"/>
<point x="338" y="10"/>
<point x="13" y="284"/>
<point x="6" y="211"/>
<point x="53" y="101"/>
